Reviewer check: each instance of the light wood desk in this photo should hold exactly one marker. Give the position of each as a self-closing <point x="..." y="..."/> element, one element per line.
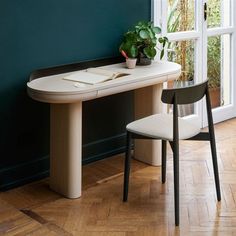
<point x="66" y="116"/>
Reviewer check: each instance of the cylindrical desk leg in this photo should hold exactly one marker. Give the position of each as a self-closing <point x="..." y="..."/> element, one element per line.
<point x="148" y="102"/>
<point x="66" y="149"/>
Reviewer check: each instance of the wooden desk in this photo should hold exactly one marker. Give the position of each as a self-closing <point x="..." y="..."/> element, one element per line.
<point x="66" y="115"/>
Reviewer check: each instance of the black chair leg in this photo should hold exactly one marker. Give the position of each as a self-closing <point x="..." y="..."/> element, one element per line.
<point x="215" y="166"/>
<point x="176" y="180"/>
<point x="127" y="166"/>
<point x="163" y="161"/>
<point x="213" y="145"/>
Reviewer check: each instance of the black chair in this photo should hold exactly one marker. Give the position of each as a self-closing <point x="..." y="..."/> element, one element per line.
<point x="170" y="127"/>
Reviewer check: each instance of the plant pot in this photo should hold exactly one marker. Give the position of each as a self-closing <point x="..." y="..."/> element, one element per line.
<point x="131" y="63"/>
<point x="215" y="97"/>
<point x="143" y="60"/>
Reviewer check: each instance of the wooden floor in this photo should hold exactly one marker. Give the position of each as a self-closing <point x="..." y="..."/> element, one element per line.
<point x="35" y="210"/>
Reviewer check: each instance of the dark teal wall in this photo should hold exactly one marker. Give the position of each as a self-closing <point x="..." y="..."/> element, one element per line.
<point x="38" y="34"/>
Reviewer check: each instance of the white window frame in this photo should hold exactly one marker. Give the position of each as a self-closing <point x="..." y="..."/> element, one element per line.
<point x="200" y="35"/>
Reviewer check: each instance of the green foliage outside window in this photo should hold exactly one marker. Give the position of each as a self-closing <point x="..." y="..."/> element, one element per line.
<point x="181" y="18"/>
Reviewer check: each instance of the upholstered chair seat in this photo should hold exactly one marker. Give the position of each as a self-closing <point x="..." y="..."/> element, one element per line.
<point x="160" y="126"/>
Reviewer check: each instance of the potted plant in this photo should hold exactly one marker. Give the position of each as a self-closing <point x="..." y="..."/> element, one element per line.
<point x="214" y="62"/>
<point x="214" y="90"/>
<point x="141" y="42"/>
<point x="130" y="61"/>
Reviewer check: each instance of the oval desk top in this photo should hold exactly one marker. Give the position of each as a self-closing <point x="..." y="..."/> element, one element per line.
<point x="54" y="89"/>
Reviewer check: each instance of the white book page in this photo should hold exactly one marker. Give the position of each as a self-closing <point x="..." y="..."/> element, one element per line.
<point x="87" y="77"/>
<point x="100" y="71"/>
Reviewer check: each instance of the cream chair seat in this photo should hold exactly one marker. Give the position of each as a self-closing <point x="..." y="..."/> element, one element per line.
<point x="160" y="126"/>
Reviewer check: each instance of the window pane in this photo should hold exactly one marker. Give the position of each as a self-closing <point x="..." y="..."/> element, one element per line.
<point x="218" y="69"/>
<point x="180" y="15"/>
<point x="219" y="13"/>
<point x="182" y="52"/>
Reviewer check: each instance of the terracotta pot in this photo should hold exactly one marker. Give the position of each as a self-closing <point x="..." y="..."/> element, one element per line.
<point x="215" y="97"/>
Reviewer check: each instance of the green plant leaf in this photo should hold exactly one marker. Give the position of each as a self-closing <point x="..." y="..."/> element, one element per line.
<point x="151" y="33"/>
<point x="130" y="36"/>
<point x="150" y="24"/>
<point x="150" y="52"/>
<point x="165" y="38"/>
<point x="173" y="26"/>
<point x="142" y="24"/>
<point x="157" y="30"/>
<point x="133" y="51"/>
<point x="144" y="34"/>
<point x="154" y="41"/>
<point x="171" y="17"/>
<point x="164" y="43"/>
<point x="162" y="53"/>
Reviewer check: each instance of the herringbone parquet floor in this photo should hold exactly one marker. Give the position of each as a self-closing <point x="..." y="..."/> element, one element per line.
<point x="35" y="210"/>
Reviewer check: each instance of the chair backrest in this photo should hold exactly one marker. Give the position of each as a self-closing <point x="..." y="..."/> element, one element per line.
<point x="188" y="95"/>
<point x="185" y="95"/>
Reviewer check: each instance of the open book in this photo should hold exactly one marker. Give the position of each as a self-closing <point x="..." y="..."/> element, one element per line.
<point x="94" y="76"/>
